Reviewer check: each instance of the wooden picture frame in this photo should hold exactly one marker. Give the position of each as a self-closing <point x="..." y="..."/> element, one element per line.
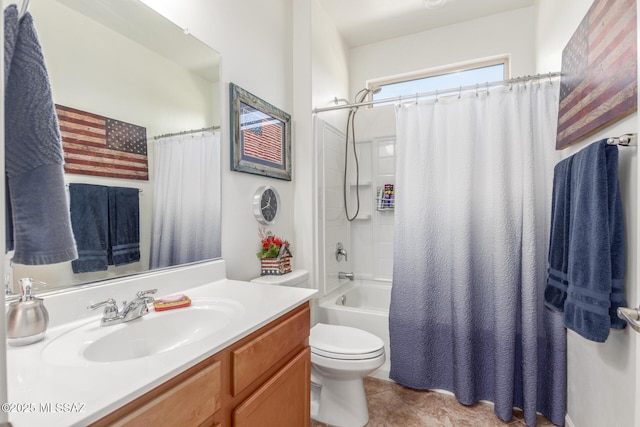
<point x="260" y="136"/>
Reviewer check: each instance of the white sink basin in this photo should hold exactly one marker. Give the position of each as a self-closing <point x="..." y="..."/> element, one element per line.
<point x="153" y="334"/>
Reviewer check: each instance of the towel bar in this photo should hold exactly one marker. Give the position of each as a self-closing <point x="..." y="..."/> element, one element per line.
<point x="631" y="315"/>
<point x="626" y="140"/>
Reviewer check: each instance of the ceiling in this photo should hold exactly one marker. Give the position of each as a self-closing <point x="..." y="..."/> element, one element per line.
<point x="368" y="21"/>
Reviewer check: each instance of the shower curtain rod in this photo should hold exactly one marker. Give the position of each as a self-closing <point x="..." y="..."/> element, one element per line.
<point x="436" y="93"/>
<point x="186" y="132"/>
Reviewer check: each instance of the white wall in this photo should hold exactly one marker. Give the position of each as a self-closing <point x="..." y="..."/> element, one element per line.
<point x="602" y="377"/>
<point x="330" y="79"/>
<point x="255" y="41"/>
<point x="330" y="66"/>
<point x="509" y="33"/>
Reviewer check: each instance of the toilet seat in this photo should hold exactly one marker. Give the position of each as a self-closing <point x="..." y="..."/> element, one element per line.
<point x="344" y="342"/>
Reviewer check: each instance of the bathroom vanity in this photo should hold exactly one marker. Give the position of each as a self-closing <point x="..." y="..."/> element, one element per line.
<point x="263" y="379"/>
<point x="250" y="365"/>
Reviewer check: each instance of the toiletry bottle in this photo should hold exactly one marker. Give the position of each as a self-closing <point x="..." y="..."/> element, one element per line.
<point x="27" y="319"/>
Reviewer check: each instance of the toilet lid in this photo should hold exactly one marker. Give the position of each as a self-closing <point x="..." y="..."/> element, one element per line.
<point x="344" y="342"/>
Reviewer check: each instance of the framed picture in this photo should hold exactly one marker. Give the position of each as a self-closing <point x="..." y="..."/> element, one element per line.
<point x="599" y="84"/>
<point x="260" y="136"/>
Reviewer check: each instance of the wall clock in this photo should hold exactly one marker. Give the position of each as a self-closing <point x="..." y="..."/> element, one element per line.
<point x="266" y="204"/>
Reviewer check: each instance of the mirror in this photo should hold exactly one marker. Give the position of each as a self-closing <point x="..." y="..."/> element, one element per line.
<point x="123" y="61"/>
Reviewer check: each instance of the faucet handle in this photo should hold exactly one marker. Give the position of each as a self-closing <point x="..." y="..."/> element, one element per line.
<point x="110" y="308"/>
<point x="109" y="303"/>
<point x="142" y="294"/>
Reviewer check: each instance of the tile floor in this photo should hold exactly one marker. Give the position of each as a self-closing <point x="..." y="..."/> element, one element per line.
<point x="392" y="405"/>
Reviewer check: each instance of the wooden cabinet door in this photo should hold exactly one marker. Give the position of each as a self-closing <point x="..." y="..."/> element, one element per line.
<point x="283" y="401"/>
<point x="189" y="399"/>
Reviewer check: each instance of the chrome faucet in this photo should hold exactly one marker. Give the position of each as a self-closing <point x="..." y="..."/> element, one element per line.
<point x="130" y="311"/>
<point x="343" y="275"/>
<point x="340" y="252"/>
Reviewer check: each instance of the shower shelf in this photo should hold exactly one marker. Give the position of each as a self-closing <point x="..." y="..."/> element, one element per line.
<point x="385" y="203"/>
<point x="361" y="183"/>
<point x="363" y="217"/>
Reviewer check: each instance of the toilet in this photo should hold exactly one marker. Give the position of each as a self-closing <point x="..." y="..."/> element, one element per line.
<point x="341" y="356"/>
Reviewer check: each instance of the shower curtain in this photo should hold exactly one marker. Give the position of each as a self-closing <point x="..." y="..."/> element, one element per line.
<point x="473" y="203"/>
<point x="186" y="216"/>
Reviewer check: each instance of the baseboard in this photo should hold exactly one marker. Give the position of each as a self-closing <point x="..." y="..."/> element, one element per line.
<point x="568" y="422"/>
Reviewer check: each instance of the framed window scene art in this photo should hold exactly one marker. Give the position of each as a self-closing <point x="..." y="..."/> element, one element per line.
<point x="260" y="136"/>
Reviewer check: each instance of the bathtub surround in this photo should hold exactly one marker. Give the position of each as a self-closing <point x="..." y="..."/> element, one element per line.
<point x="587" y="256"/>
<point x="471" y="234"/>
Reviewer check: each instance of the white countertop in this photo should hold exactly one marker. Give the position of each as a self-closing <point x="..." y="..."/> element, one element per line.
<point x="48" y="393"/>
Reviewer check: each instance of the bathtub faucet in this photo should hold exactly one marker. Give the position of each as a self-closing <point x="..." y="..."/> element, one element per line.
<point x="340" y="252"/>
<point x="343" y="275"/>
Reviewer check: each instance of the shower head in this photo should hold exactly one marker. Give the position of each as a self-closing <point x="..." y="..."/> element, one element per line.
<point x="363" y="93"/>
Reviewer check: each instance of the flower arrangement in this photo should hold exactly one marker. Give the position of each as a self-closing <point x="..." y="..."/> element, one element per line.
<point x="270" y="244"/>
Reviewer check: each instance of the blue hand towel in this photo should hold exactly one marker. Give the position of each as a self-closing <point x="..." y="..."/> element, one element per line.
<point x="124" y="225"/>
<point x="33" y="152"/>
<point x="90" y="221"/>
<point x="555" y="292"/>
<point x="596" y="244"/>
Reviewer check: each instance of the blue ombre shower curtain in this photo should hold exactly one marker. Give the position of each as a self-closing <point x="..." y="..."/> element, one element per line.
<point x="473" y="204"/>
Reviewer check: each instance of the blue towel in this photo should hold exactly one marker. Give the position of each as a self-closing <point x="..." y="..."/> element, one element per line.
<point x="555" y="292"/>
<point x="595" y="254"/>
<point x="90" y="221"/>
<point x="33" y="152"/>
<point x="124" y="225"/>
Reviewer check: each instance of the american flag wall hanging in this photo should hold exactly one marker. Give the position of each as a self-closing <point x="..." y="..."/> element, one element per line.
<point x="599" y="71"/>
<point x="100" y="146"/>
<point x="261" y="137"/>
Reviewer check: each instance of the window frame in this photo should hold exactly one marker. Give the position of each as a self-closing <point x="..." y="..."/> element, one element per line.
<point x="439" y="71"/>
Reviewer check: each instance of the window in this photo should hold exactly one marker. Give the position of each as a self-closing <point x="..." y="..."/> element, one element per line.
<point x="443" y="79"/>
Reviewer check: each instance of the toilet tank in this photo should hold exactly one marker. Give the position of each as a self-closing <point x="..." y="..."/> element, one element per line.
<point x="296" y="278"/>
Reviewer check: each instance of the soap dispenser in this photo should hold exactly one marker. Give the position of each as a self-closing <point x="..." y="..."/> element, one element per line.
<point x="27" y="319"/>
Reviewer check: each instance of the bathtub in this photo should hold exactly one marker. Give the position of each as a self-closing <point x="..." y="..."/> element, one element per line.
<point x="362" y="304"/>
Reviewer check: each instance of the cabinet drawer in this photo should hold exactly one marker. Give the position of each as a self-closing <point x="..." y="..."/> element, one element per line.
<point x="283" y="401"/>
<point x="189" y="403"/>
<point x="257" y="356"/>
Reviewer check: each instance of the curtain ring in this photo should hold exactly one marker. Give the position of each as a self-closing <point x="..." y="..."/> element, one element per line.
<point x="436" y="95"/>
<point x="550" y="81"/>
<point x="460" y="92"/>
<point x="416" y="98"/>
<point x="476" y="89"/>
<point x="487" y="84"/>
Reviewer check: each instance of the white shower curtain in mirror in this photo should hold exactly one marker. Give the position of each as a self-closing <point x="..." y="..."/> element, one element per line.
<point x="186" y="213"/>
<point x="473" y="204"/>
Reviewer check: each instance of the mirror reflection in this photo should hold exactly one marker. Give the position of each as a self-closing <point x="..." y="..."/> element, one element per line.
<point x="124" y="63"/>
